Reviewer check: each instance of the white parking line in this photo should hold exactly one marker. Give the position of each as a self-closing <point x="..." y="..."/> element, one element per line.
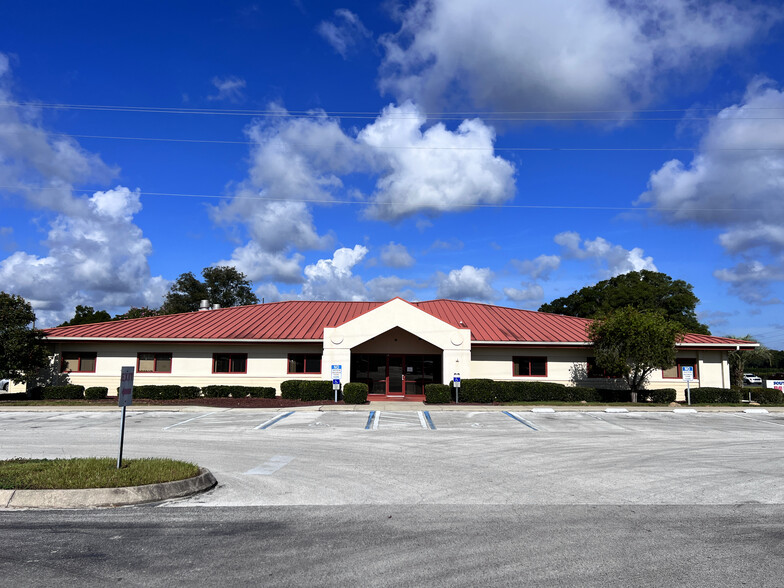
<point x="422" y="419"/>
<point x="271" y="466"/>
<point x="189" y="420"/>
<point x="740" y="416"/>
<point x="375" y="419"/>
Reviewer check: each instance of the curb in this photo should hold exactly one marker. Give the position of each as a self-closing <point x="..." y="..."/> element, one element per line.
<point x="107" y="497"/>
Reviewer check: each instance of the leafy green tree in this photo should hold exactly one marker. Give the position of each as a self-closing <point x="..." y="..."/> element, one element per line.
<point x="135" y="312"/>
<point x="633" y="343"/>
<point x="222" y="285"/>
<point x="22" y="350"/>
<point x="643" y="290"/>
<point x="85" y="315"/>
<point x="740" y="358"/>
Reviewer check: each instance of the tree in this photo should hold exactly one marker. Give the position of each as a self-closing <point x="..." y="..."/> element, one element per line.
<point x="740" y="358"/>
<point x="633" y="343"/>
<point x="222" y="285"/>
<point x="84" y="315"/>
<point x="22" y="350"/>
<point x="643" y="290"/>
<point x="134" y="312"/>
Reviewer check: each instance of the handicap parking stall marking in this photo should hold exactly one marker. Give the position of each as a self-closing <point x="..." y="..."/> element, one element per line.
<point x="373" y="418"/>
<point x="273" y="421"/>
<point x="519" y="419"/>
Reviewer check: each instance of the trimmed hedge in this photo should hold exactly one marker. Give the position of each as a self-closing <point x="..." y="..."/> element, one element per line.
<point x="165" y="392"/>
<point x="290" y="389"/>
<point x="262" y="392"/>
<point x="96" y="393"/>
<point x="437" y="394"/>
<point x="765" y="395"/>
<point x="708" y="395"/>
<point x="316" y="390"/>
<point x="64" y="392"/>
<point x="238" y="391"/>
<point x="355" y="393"/>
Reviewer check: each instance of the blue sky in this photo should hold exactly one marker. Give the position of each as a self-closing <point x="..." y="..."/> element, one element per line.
<point x="508" y="152"/>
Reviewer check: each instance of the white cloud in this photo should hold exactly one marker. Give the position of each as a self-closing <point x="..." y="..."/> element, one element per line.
<point x="396" y="255"/>
<point x="230" y="89"/>
<point x="467" y="283"/>
<point x="529" y="293"/>
<point x="333" y="279"/>
<point x="258" y="264"/>
<point x="735" y="182"/>
<point x="388" y="287"/>
<point x="523" y="54"/>
<point x="617" y="259"/>
<point x="98" y="258"/>
<point x="539" y="268"/>
<point x="434" y="171"/>
<point x="346" y="33"/>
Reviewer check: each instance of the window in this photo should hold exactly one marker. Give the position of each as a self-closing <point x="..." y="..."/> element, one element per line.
<point x="675" y="371"/>
<point x="154" y="362"/>
<point x="594" y="371"/>
<point x="78" y="361"/>
<point x="529" y="366"/>
<point x="304" y="363"/>
<point x="229" y="363"/>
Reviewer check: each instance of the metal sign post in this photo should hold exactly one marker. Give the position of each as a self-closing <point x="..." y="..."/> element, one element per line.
<point x="688" y="374"/>
<point x="124" y="399"/>
<point x="337" y="373"/>
<point x="456" y="382"/>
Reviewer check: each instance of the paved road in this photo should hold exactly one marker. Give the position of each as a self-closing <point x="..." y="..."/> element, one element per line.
<point x="397" y="498"/>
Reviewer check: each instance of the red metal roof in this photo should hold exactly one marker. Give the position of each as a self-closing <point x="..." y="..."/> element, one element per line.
<point x="305" y="320"/>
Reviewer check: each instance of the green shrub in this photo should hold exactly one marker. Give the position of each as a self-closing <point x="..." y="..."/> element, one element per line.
<point x="437" y="394"/>
<point x="163" y="391"/>
<point x="316" y="390"/>
<point x="476" y="390"/>
<point x="610" y="395"/>
<point x="96" y="393"/>
<point x="355" y="393"/>
<point x="765" y="395"/>
<point x="262" y="392"/>
<point x="660" y="396"/>
<point x="64" y="392"/>
<point x="217" y="391"/>
<point x="189" y="392"/>
<point x="290" y="389"/>
<point x="707" y="395"/>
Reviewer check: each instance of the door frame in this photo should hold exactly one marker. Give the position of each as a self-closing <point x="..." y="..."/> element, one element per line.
<point x="402" y="392"/>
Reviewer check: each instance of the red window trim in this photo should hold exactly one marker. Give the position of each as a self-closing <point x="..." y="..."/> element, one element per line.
<point x="80" y="370"/>
<point x="696" y="365"/>
<point x="529" y="357"/>
<point x="156" y="354"/>
<point x="305" y="362"/>
<point x="230" y="362"/>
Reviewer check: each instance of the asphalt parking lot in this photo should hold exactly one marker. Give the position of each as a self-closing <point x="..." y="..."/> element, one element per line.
<point x="435" y="456"/>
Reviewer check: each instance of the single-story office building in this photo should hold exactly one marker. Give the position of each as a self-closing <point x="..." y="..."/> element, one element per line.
<point x="397" y="347"/>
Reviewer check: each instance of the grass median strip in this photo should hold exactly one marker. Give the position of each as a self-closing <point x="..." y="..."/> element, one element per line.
<point x="90" y="472"/>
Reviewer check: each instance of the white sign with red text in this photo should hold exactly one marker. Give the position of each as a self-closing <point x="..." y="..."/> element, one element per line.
<point x="125" y="395"/>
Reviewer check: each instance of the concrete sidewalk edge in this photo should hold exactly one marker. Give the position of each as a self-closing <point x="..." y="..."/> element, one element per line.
<point x="107" y="497"/>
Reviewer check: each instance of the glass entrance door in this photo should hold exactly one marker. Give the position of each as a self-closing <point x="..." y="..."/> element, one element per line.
<point x="395" y="367"/>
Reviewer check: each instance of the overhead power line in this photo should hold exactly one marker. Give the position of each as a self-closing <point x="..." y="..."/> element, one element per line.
<point x="511" y="116"/>
<point x="391" y="202"/>
<point x="412" y="147"/>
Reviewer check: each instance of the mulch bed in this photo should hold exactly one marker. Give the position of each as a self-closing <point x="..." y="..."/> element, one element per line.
<point x="213" y="402"/>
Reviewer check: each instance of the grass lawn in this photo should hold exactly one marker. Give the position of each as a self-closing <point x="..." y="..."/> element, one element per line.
<point x="90" y="472"/>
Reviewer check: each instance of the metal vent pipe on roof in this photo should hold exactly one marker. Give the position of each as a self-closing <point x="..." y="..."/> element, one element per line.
<point x="204" y="305"/>
<point x="215" y="306"/>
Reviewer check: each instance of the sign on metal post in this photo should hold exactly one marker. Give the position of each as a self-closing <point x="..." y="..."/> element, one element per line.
<point x="124" y="399"/>
<point x="456" y="383"/>
<point x="337" y="375"/>
<point x="687" y="371"/>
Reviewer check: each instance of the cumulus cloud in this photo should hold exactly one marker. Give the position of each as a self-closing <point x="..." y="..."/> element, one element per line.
<point x="396" y="255"/>
<point x="539" y="268"/>
<point x="434" y="171"/>
<point x="735" y="182"/>
<point x="333" y="279"/>
<point x="258" y="264"/>
<point x="557" y="55"/>
<point x="529" y="293"/>
<point x="614" y="259"/>
<point x="345" y="33"/>
<point x="388" y="287"/>
<point x="230" y="89"/>
<point x="467" y="283"/>
<point x="98" y="258"/>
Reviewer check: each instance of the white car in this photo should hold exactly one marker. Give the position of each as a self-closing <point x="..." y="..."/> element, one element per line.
<point x="4" y="385"/>
<point x="752" y="379"/>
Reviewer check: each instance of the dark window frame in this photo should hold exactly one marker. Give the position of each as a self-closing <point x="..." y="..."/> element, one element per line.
<point x="594" y="372"/>
<point x="519" y="360"/>
<point x="306" y="359"/>
<point x="692" y="361"/>
<point x="81" y="356"/>
<point x="155" y="369"/>
<point x="231" y="357"/>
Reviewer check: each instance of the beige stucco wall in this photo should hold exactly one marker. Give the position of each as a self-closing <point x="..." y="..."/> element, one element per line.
<point x="191" y="363"/>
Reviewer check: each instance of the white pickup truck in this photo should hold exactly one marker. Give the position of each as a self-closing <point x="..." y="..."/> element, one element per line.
<point x="752" y="379"/>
